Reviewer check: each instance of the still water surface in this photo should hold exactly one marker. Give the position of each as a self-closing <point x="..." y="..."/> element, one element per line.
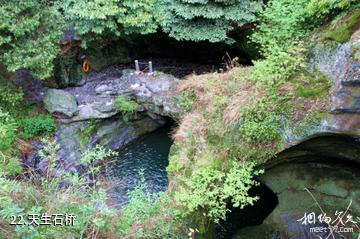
<point x="150" y="154"/>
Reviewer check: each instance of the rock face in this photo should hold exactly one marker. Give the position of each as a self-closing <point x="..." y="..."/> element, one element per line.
<point x="325" y="159"/>
<point x="89" y="116"/>
<point x="32" y="87"/>
<point x="96" y="98"/>
<point x="333" y="191"/>
<point x="112" y="133"/>
<point x="339" y="62"/>
<point x="327" y="166"/>
<point x="60" y="102"/>
<point x="68" y="72"/>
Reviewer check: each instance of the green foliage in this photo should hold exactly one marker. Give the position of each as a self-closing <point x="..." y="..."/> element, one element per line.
<point x="10" y="97"/>
<point x="92" y="158"/>
<point x="282" y="24"/>
<point x="260" y="124"/>
<point x="125" y="105"/>
<point x="205" y="20"/>
<point x="154" y="213"/>
<point x="174" y="164"/>
<point x="186" y="100"/>
<point x="343" y="29"/>
<point x="210" y="190"/>
<point x="322" y="8"/>
<point x="86" y="132"/>
<point x="9" y="165"/>
<point x="37" y="195"/>
<point x="8" y="129"/>
<point x="28" y="38"/>
<point x="35" y="126"/>
<point x="312" y="85"/>
<point x="116" y="17"/>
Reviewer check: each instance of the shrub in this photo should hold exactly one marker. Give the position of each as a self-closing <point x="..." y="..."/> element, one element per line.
<point x="260" y="124"/>
<point x="37" y="195"/>
<point x="125" y="105"/>
<point x="150" y="215"/>
<point x="186" y="100"/>
<point x="7" y="131"/>
<point x="40" y="125"/>
<point x="321" y="8"/>
<point x="9" y="164"/>
<point x="282" y="24"/>
<point x="9" y="96"/>
<point x="210" y="190"/>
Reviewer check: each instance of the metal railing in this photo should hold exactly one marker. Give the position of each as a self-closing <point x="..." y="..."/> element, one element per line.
<point x="149" y="67"/>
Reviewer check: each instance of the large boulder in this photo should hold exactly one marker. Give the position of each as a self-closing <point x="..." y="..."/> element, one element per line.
<point x="96" y="98"/>
<point x="113" y="133"/>
<point x="60" y="102"/>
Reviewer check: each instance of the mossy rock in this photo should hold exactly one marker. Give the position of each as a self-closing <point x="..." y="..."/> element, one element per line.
<point x="343" y="29"/>
<point x="68" y="72"/>
<point x="60" y="102"/>
<point x="100" y="57"/>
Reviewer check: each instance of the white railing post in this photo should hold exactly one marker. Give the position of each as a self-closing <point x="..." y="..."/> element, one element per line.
<point x="137" y="67"/>
<point x="151" y="70"/>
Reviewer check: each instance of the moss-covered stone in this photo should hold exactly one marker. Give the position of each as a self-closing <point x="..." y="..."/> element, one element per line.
<point x="116" y="53"/>
<point x="68" y="72"/>
<point x="60" y="102"/>
<point x="343" y="28"/>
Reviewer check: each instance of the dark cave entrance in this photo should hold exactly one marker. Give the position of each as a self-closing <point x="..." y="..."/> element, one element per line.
<point x="179" y="58"/>
<point x="250" y="215"/>
<point x="335" y="155"/>
<point x="159" y="45"/>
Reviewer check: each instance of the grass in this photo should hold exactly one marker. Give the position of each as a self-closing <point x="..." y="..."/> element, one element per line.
<point x="344" y="28"/>
<point x="126" y="105"/>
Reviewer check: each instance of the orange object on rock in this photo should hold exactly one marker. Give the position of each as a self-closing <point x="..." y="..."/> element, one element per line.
<point x="86" y="66"/>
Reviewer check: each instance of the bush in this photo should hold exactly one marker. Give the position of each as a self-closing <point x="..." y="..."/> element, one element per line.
<point x="282" y="24"/>
<point x="321" y="8"/>
<point x="260" y="124"/>
<point x="7" y="131"/>
<point x="185" y="100"/>
<point x="37" y="195"/>
<point x="210" y="190"/>
<point x="40" y="125"/>
<point x="10" y="97"/>
<point x="205" y="20"/>
<point x="125" y="105"/>
<point x="150" y="215"/>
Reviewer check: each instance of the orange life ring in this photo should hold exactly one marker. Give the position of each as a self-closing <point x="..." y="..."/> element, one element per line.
<point x="86" y="66"/>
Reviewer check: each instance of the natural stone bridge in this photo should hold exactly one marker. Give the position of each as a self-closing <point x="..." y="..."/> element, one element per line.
<point x="325" y="162"/>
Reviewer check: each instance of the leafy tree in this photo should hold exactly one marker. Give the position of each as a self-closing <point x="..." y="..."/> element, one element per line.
<point x="115" y="17"/>
<point x="29" y="35"/>
<point x="211" y="20"/>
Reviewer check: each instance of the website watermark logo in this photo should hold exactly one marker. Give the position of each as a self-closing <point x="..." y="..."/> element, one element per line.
<point x="340" y="223"/>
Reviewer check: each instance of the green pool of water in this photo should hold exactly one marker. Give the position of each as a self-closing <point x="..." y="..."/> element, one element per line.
<point x="150" y="154"/>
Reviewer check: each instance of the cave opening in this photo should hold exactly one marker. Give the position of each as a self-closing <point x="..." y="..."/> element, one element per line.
<point x="179" y="58"/>
<point x="249" y="216"/>
<point x="327" y="165"/>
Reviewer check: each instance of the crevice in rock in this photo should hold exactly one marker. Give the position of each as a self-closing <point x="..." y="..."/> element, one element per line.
<point x="249" y="215"/>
